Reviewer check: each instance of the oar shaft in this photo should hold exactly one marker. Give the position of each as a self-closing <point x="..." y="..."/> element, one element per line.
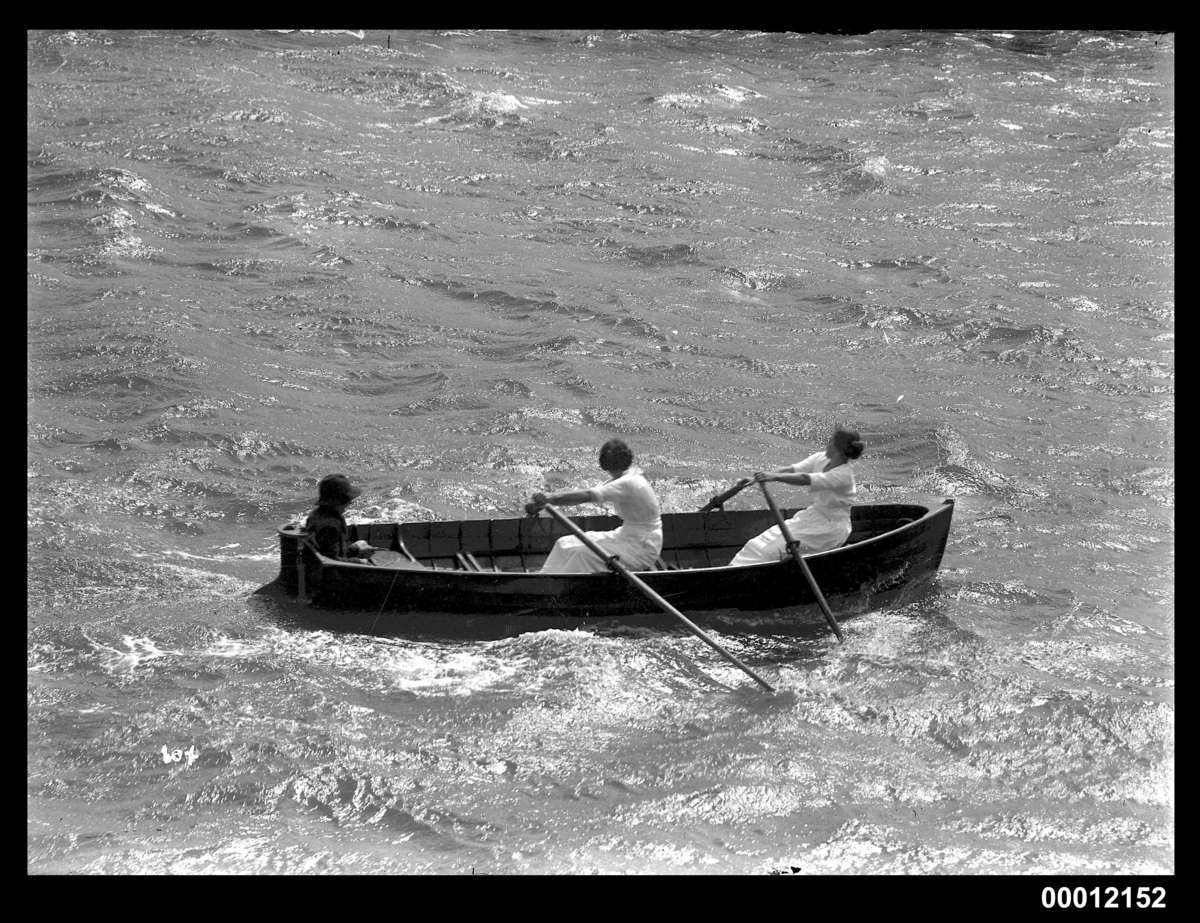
<point x="614" y="564"/>
<point x="720" y="499"/>
<point x="799" y="558"/>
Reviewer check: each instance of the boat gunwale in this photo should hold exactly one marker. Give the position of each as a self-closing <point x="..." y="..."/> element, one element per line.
<point x="294" y="531"/>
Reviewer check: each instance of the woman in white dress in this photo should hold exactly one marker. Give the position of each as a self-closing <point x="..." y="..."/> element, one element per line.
<point x="639" y="538"/>
<point x="825" y="522"/>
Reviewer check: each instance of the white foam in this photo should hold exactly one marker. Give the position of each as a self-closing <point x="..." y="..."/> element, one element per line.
<point x="876" y="166"/>
<point x="138" y="651"/>
<point x="680" y="100"/>
<point x="736" y="94"/>
<point x="495" y="101"/>
<point x="458" y="674"/>
<point x="355" y="33"/>
<point x="237" y="648"/>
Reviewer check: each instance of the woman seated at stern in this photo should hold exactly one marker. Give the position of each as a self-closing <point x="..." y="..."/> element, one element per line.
<point x="326" y="524"/>
<point x="639" y="538"/>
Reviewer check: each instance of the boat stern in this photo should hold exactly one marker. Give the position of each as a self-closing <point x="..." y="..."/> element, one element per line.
<point x="292" y="576"/>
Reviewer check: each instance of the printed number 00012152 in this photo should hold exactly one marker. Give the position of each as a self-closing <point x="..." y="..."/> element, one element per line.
<point x="1113" y="897"/>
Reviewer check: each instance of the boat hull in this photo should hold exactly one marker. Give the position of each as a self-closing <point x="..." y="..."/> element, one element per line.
<point x="894" y="550"/>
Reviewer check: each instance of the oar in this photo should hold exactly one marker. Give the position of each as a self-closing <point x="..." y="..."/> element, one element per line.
<point x="794" y="548"/>
<point x="719" y="500"/>
<point x="615" y="564"/>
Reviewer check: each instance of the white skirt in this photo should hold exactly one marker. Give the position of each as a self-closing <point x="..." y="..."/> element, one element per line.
<point x="812" y="530"/>
<point x="571" y="556"/>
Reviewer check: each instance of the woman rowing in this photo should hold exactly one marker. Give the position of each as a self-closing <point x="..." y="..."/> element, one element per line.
<point x="825" y="522"/>
<point x="639" y="538"/>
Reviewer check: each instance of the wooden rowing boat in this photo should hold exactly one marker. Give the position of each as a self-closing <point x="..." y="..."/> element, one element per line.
<point x="430" y="573"/>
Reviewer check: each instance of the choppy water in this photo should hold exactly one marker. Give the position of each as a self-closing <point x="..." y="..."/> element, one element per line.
<point x="451" y="264"/>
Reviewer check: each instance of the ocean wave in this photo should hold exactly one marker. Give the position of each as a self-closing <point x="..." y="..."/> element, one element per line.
<point x="934" y="109"/>
<point x="129" y="654"/>
<point x="379" y="382"/>
<point x="484" y="109"/>
<point x="130" y="388"/>
<point x="763" y="279"/>
<point x="921" y="269"/>
<point x="656" y="255"/>
<point x="736" y="94"/>
<point x="676" y="100"/>
<point x="347" y="798"/>
<point x="254" y="115"/>
<point x="353" y="33"/>
<point x="441" y="403"/>
<point x="77" y="37"/>
<point x="870" y="177"/>
<point x="815" y="157"/>
<point x="960" y="473"/>
<point x="880" y="317"/>
<point x="525" y="420"/>
<point x="347" y="210"/>
<point x="743" y="126"/>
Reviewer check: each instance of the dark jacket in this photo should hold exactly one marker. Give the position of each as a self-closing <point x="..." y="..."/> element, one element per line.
<point x="327" y="528"/>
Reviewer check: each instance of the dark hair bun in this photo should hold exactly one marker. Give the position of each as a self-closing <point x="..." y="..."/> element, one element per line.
<point x="849" y="441"/>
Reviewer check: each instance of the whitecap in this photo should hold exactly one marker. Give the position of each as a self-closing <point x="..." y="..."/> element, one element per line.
<point x="496" y="101"/>
<point x="736" y="94"/>
<point x="679" y="100"/>
<point x="876" y="165"/>
<point x="137" y="652"/>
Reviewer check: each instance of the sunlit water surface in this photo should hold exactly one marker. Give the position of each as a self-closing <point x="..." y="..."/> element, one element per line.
<point x="451" y="264"/>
